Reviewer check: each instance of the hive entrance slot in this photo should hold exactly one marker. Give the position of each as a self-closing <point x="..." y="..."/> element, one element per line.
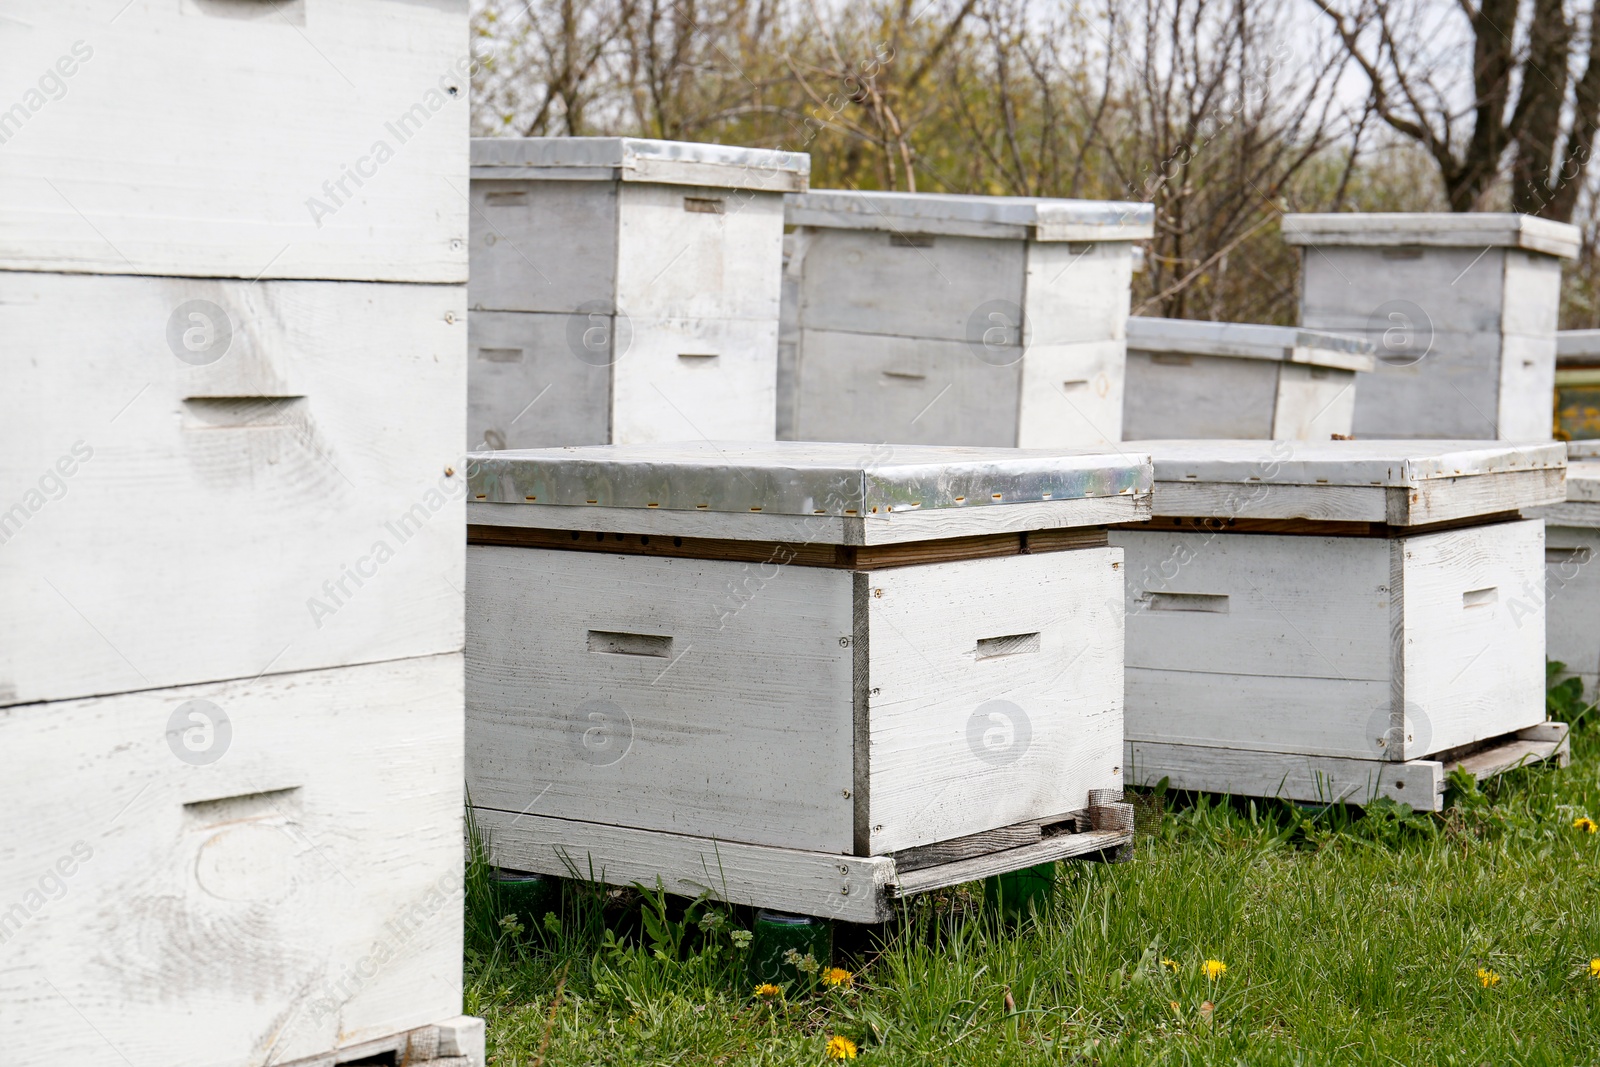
<point x="1479" y="598"/>
<point x="613" y="643"/>
<point x="1009" y="645"/>
<point x="1217" y="603"/>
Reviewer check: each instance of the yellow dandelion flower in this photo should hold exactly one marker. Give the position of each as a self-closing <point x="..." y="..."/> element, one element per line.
<point x="1487" y="978"/>
<point x="1213" y="969"/>
<point x="838" y="976"/>
<point x="1594" y="968"/>
<point x="1586" y="824"/>
<point x="1171" y="965"/>
<point x="841" y="1048"/>
<point x="768" y="991"/>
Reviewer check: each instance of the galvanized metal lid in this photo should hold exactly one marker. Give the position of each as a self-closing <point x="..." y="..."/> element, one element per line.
<point x="1343" y="463"/>
<point x="1472" y="229"/>
<point x="635" y="159"/>
<point x="1289" y="344"/>
<point x="1005" y="217"/>
<point x="1577" y="346"/>
<point x="800" y="477"/>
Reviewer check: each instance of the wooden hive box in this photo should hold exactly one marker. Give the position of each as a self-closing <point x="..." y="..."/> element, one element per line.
<point x="1195" y="379"/>
<point x="1337" y="620"/>
<point x="1461" y="308"/>
<point x="1577" y="416"/>
<point x="805" y="677"/>
<point x="323" y="144"/>
<point x="189" y="882"/>
<point x="285" y="495"/>
<point x="1572" y="589"/>
<point x="624" y="290"/>
<point x="959" y="320"/>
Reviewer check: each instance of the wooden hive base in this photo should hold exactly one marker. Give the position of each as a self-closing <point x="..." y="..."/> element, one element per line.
<point x="457" y="1042"/>
<point x="1333" y="780"/>
<point x="860" y="889"/>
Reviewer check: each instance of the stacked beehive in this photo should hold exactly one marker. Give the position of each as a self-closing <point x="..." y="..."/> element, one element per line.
<point x="624" y="290"/>
<point x="1462" y="309"/>
<point x="1577" y="415"/>
<point x="958" y="320"/>
<point x="232" y="327"/>
<point x="1224" y="379"/>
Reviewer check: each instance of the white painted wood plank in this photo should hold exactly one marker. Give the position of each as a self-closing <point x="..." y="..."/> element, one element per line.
<point x="887" y="282"/>
<point x="1077" y="292"/>
<point x="1291" y="776"/>
<point x="847" y="888"/>
<point x="1527" y="382"/>
<point x="1262" y="604"/>
<point x="1072" y="396"/>
<point x="298" y="894"/>
<point x="1334" y="717"/>
<point x="699" y="252"/>
<point x="332" y="149"/>
<point x="869" y="386"/>
<point x="1449" y="499"/>
<point x="1171" y="395"/>
<point x="1433" y="229"/>
<point x="1572" y="599"/>
<point x="696" y="380"/>
<point x="1314" y="403"/>
<point x="1474" y="633"/>
<point x="1263" y="500"/>
<point x="547" y="246"/>
<point x="528" y="388"/>
<point x="903" y="527"/>
<point x="735" y="723"/>
<point x="1060" y="847"/>
<point x="285" y="507"/>
<point x="962" y="744"/>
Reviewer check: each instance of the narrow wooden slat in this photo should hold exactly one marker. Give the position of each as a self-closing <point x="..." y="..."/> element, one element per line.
<point x="839" y="557"/>
<point x="1312" y="527"/>
<point x="1062" y="847"/>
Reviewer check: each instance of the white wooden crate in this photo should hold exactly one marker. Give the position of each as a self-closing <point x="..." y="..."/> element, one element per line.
<point x="1007" y="313"/>
<point x="290" y="890"/>
<point x="1461" y="308"/>
<point x="1221" y="379"/>
<point x="644" y="276"/>
<point x="236" y="138"/>
<point x="707" y="652"/>
<point x="283" y="507"/>
<point x="1295" y="612"/>
<point x="1572" y="583"/>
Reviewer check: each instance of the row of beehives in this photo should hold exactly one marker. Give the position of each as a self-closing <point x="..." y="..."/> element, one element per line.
<point x="233" y="341"/>
<point x="632" y="291"/>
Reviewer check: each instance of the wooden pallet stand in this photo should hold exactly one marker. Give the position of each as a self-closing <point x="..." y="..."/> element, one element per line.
<point x="1461" y="309"/>
<point x="624" y="290"/>
<point x="1336" y="620"/>
<point x="1572" y="585"/>
<point x="957" y="320"/>
<point x="1196" y="379"/>
<point x="857" y="673"/>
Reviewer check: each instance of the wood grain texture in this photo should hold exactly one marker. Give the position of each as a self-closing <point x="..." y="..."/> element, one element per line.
<point x="724" y="738"/>
<point x="296" y="896"/>
<point x="863" y="386"/>
<point x="1474" y="665"/>
<point x="1060" y="847"/>
<point x="1290" y="776"/>
<point x="282" y="508"/>
<point x="847" y="888"/>
<point x="132" y="172"/>
<point x="1547" y="742"/>
<point x="961" y="745"/>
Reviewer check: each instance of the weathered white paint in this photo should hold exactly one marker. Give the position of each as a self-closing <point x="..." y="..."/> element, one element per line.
<point x="298" y="895"/>
<point x="1462" y="310"/>
<point x="166" y="523"/>
<point x="335" y="148"/>
<point x="1572" y="580"/>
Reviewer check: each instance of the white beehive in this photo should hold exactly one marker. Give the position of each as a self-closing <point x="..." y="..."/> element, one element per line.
<point x="233" y="335"/>
<point x="1577" y="415"/>
<point x="1196" y="379"/>
<point x="1572" y="587"/>
<point x="624" y="290"/>
<point x="857" y="673"/>
<point x="1461" y="308"/>
<point x="959" y="320"/>
<point x="1334" y="620"/>
<point x="323" y="144"/>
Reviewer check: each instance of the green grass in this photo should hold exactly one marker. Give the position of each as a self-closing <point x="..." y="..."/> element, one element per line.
<point x="1349" y="937"/>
